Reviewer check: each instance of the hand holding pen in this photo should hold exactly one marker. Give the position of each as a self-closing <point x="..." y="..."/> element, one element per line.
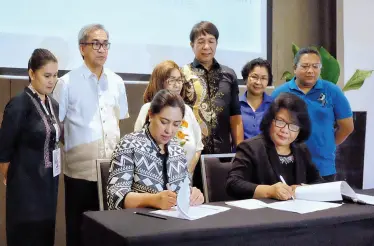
<point x="281" y="191"/>
<point x="284" y="182"/>
<point x="166" y="199"/>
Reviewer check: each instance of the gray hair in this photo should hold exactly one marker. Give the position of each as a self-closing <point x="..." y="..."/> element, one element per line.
<point x="86" y="30"/>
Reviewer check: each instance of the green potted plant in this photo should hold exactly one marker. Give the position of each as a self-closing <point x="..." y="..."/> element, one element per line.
<point x="350" y="154"/>
<point x="331" y="70"/>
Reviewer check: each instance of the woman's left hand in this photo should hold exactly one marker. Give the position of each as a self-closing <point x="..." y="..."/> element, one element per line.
<point x="196" y="197"/>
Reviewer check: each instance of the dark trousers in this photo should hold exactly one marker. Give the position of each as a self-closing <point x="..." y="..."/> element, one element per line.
<point x="330" y="178"/>
<point x="38" y="233"/>
<point x="80" y="196"/>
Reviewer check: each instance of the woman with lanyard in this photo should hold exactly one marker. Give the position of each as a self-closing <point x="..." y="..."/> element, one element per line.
<point x="30" y="157"/>
<point x="148" y="166"/>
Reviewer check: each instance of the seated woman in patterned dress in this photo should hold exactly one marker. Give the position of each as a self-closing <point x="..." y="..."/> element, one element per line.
<point x="279" y="151"/>
<point x="166" y="75"/>
<point x="148" y="166"/>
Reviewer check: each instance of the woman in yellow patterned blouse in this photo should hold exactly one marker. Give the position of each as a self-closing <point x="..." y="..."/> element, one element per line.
<point x="167" y="75"/>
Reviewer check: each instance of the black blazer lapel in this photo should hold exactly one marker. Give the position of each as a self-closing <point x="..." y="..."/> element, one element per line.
<point x="273" y="159"/>
<point x="299" y="165"/>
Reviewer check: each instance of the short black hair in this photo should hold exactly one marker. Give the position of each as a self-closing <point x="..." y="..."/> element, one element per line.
<point x="298" y="110"/>
<point x="249" y="66"/>
<point x="303" y="51"/>
<point x="203" y="28"/>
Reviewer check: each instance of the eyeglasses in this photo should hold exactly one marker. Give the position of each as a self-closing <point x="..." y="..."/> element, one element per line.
<point x="281" y="124"/>
<point x="98" y="45"/>
<point x="256" y="78"/>
<point x="306" y="66"/>
<point x="172" y="81"/>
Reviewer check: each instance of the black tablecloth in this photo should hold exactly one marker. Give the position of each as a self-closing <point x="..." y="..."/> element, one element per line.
<point x="350" y="224"/>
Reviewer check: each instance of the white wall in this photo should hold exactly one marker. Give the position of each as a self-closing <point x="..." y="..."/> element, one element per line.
<point x="358" y="53"/>
<point x="142" y="32"/>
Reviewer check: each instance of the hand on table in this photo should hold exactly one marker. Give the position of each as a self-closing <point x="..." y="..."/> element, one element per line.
<point x="196" y="197"/>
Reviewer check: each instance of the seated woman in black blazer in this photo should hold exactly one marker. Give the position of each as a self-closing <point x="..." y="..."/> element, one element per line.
<point x="278" y="151"/>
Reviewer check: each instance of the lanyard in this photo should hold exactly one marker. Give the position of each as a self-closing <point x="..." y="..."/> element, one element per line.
<point x="57" y="130"/>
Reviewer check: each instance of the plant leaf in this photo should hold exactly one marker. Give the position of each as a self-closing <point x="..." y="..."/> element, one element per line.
<point x="330" y="66"/>
<point x="295" y="49"/>
<point x="357" y="79"/>
<point x="287" y="76"/>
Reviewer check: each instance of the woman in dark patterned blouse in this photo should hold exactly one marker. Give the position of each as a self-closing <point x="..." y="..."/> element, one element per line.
<point x="278" y="152"/>
<point x="28" y="156"/>
<point x="148" y="166"/>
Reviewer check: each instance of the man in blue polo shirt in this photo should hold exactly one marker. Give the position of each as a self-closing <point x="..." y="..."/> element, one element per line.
<point x="327" y="105"/>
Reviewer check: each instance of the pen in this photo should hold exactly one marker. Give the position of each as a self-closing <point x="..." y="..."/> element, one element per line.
<point x="284" y="182"/>
<point x="150" y="215"/>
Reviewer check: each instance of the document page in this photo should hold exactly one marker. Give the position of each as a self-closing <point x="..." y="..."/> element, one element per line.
<point x="183" y="210"/>
<point x="366" y="199"/>
<point x="248" y="204"/>
<point x="195" y="212"/>
<point x="302" y="206"/>
<point x="320" y="192"/>
<point x="310" y="198"/>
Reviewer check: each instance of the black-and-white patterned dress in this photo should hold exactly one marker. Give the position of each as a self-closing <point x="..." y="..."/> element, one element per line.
<point x="138" y="166"/>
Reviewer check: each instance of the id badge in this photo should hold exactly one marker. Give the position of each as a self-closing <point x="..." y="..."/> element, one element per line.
<point x="56" y="162"/>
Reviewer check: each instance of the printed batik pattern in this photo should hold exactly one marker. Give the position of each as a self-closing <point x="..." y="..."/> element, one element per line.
<point x="201" y="93"/>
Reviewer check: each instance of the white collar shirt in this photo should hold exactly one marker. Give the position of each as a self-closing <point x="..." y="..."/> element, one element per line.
<point x="90" y="109"/>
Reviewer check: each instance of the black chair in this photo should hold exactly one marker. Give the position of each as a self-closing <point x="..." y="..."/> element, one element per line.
<point x="102" y="167"/>
<point x="215" y="169"/>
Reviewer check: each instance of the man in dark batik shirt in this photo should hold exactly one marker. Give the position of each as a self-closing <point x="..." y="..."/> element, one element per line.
<point x="211" y="89"/>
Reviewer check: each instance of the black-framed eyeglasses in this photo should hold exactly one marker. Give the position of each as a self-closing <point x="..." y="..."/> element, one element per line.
<point x="172" y="81"/>
<point x="98" y="45"/>
<point x="281" y="124"/>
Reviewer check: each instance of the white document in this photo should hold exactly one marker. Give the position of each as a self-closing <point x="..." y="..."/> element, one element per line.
<point x="248" y="204"/>
<point x="325" y="192"/>
<point x="302" y="206"/>
<point x="311" y="198"/>
<point x="195" y="212"/>
<point x="366" y="199"/>
<point x="183" y="210"/>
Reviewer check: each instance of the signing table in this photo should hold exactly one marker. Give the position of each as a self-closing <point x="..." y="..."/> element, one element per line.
<point x="349" y="224"/>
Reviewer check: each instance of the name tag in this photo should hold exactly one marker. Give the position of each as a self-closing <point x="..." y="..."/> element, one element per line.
<point x="56" y="162"/>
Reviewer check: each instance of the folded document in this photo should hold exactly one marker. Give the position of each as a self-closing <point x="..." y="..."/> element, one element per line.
<point x="333" y="191"/>
<point x="310" y="198"/>
<point x="183" y="210"/>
